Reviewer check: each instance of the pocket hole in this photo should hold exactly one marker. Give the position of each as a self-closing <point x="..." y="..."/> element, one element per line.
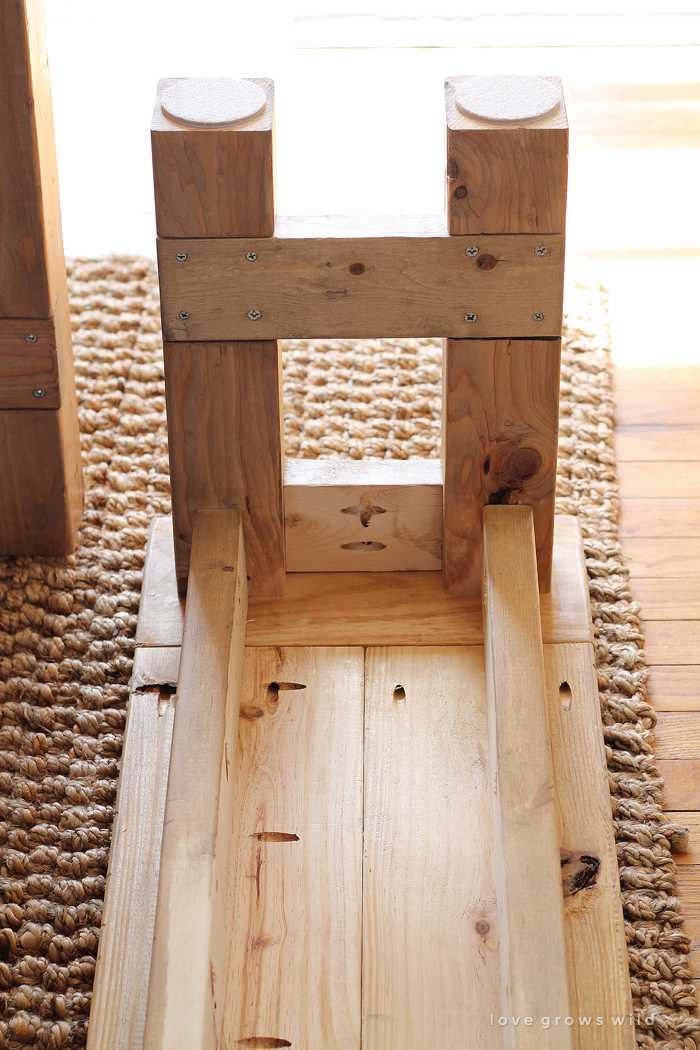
<point x="565" y="696"/>
<point x="399" y="698"/>
<point x="363" y="545"/>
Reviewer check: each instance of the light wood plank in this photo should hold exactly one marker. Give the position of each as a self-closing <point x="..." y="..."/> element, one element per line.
<point x="295" y="876"/>
<point x="657" y="378"/>
<point x="354" y="515"/>
<point x="499" y="445"/>
<point x="659" y="480"/>
<point x="214" y="182"/>
<point x="678" y="516"/>
<point x="659" y="556"/>
<point x="655" y="407"/>
<point x="672" y="641"/>
<point x="674" y="688"/>
<point x="668" y="598"/>
<point x="226" y="448"/>
<point x="657" y="443"/>
<point x="313" y="288"/>
<point x="118" y="1011"/>
<point x="593" y="921"/>
<point x="357" y="608"/>
<point x="677" y="735"/>
<point x="682" y="783"/>
<point x="430" y="958"/>
<point x="189" y="949"/>
<point x="530" y="911"/>
<point x="505" y="179"/>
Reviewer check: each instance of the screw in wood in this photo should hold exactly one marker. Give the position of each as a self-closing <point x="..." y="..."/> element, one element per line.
<point x="471" y="318"/>
<point x="38" y="393"/>
<point x="181" y="256"/>
<point x="251" y="256"/>
<point x="538" y="317"/>
<point x="471" y="251"/>
<point x="541" y="250"/>
<point x="31" y="337"/>
<point x="183" y="315"/>
<point x="254" y="315"/>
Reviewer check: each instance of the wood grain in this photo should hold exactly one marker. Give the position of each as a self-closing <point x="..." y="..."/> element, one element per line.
<point x="386" y="608"/>
<point x="672" y="641"/>
<point x="593" y="920"/>
<point x="224" y="405"/>
<point x="530" y="911"/>
<point x="316" y="288"/>
<point x="659" y="556"/>
<point x="654" y="406"/>
<point x="295" y="876"/>
<point x="659" y="480"/>
<point x="505" y="179"/>
<point x="430" y="955"/>
<point x="26" y="367"/>
<point x="214" y="182"/>
<point x="657" y="443"/>
<point x="677" y="735"/>
<point x="118" y="1012"/>
<point x="668" y="598"/>
<point x="682" y="783"/>
<point x="355" y="515"/>
<point x="189" y="950"/>
<point x="674" y="688"/>
<point x="499" y="445"/>
<point x="677" y="517"/>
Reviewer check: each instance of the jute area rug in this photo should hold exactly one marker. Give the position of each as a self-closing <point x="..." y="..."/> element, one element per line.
<point x="67" y="630"/>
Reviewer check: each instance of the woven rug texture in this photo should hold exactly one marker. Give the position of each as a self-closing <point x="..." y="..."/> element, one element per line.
<point x="67" y="638"/>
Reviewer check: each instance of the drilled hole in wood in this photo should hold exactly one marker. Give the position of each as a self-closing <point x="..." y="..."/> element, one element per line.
<point x="399" y="698"/>
<point x="275" y="836"/>
<point x="364" y="545"/>
<point x="565" y="696"/>
<point x="273" y="688"/>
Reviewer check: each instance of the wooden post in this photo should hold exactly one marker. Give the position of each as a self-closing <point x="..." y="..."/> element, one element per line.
<point x="41" y="493"/>
<point x="526" y="843"/>
<point x="507" y="149"/>
<point x="186" y="987"/>
<point x="213" y="178"/>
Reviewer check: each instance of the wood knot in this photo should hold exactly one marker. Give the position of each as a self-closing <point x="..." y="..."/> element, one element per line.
<point x="482" y="927"/>
<point x="486" y="262"/>
<point x="357" y="268"/>
<point x="460" y="192"/>
<point x="579" y="871"/>
<point x="452" y="169"/>
<point x="522" y="464"/>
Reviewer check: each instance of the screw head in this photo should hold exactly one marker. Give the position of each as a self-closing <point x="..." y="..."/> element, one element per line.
<point x="251" y="256"/>
<point x="471" y="318"/>
<point x="32" y="337"/>
<point x="181" y="256"/>
<point x="471" y="251"/>
<point x="183" y="315"/>
<point x="538" y="317"/>
<point x="254" y="315"/>
<point x="541" y="250"/>
<point x="39" y="393"/>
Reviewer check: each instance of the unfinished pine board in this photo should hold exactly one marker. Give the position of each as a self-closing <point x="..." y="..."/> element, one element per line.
<point x="214" y="182"/>
<point x="185" y="992"/>
<point x="499" y="446"/>
<point x="668" y="598"/>
<point x="26" y="367"/>
<point x="118" y="1011"/>
<point x="659" y="480"/>
<point x="681" y="783"/>
<point x="674" y="688"/>
<point x="354" y="515"/>
<point x="295" y="875"/>
<point x="526" y="834"/>
<point x="333" y="608"/>
<point x="677" y="735"/>
<point x="657" y="443"/>
<point x="504" y="179"/>
<point x="593" y="920"/>
<point x="672" y="641"/>
<point x="659" y="556"/>
<point x="678" y="517"/>
<point x="430" y="945"/>
<point x="224" y="407"/>
<point x="312" y="288"/>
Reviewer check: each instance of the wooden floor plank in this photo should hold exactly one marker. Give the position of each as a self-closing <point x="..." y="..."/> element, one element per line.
<point x="672" y="642"/>
<point x="678" y="517"/>
<point x="674" y="688"/>
<point x="656" y="407"/>
<point x="667" y="598"/>
<point x="430" y="960"/>
<point x="659" y="480"/>
<point x="677" y="735"/>
<point x="662" y="556"/>
<point x="657" y="379"/>
<point x="681" y="443"/>
<point x="295" y="875"/>
<point x="682" y="779"/>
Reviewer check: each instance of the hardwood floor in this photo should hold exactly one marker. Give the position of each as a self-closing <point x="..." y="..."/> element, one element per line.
<point x="658" y="448"/>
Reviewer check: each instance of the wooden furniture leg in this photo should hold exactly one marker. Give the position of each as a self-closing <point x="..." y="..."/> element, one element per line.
<point x="41" y="492"/>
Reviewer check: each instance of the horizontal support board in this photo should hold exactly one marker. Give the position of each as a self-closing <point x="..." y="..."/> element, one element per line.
<point x="28" y="363"/>
<point x="363" y="608"/>
<point x="325" y="286"/>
